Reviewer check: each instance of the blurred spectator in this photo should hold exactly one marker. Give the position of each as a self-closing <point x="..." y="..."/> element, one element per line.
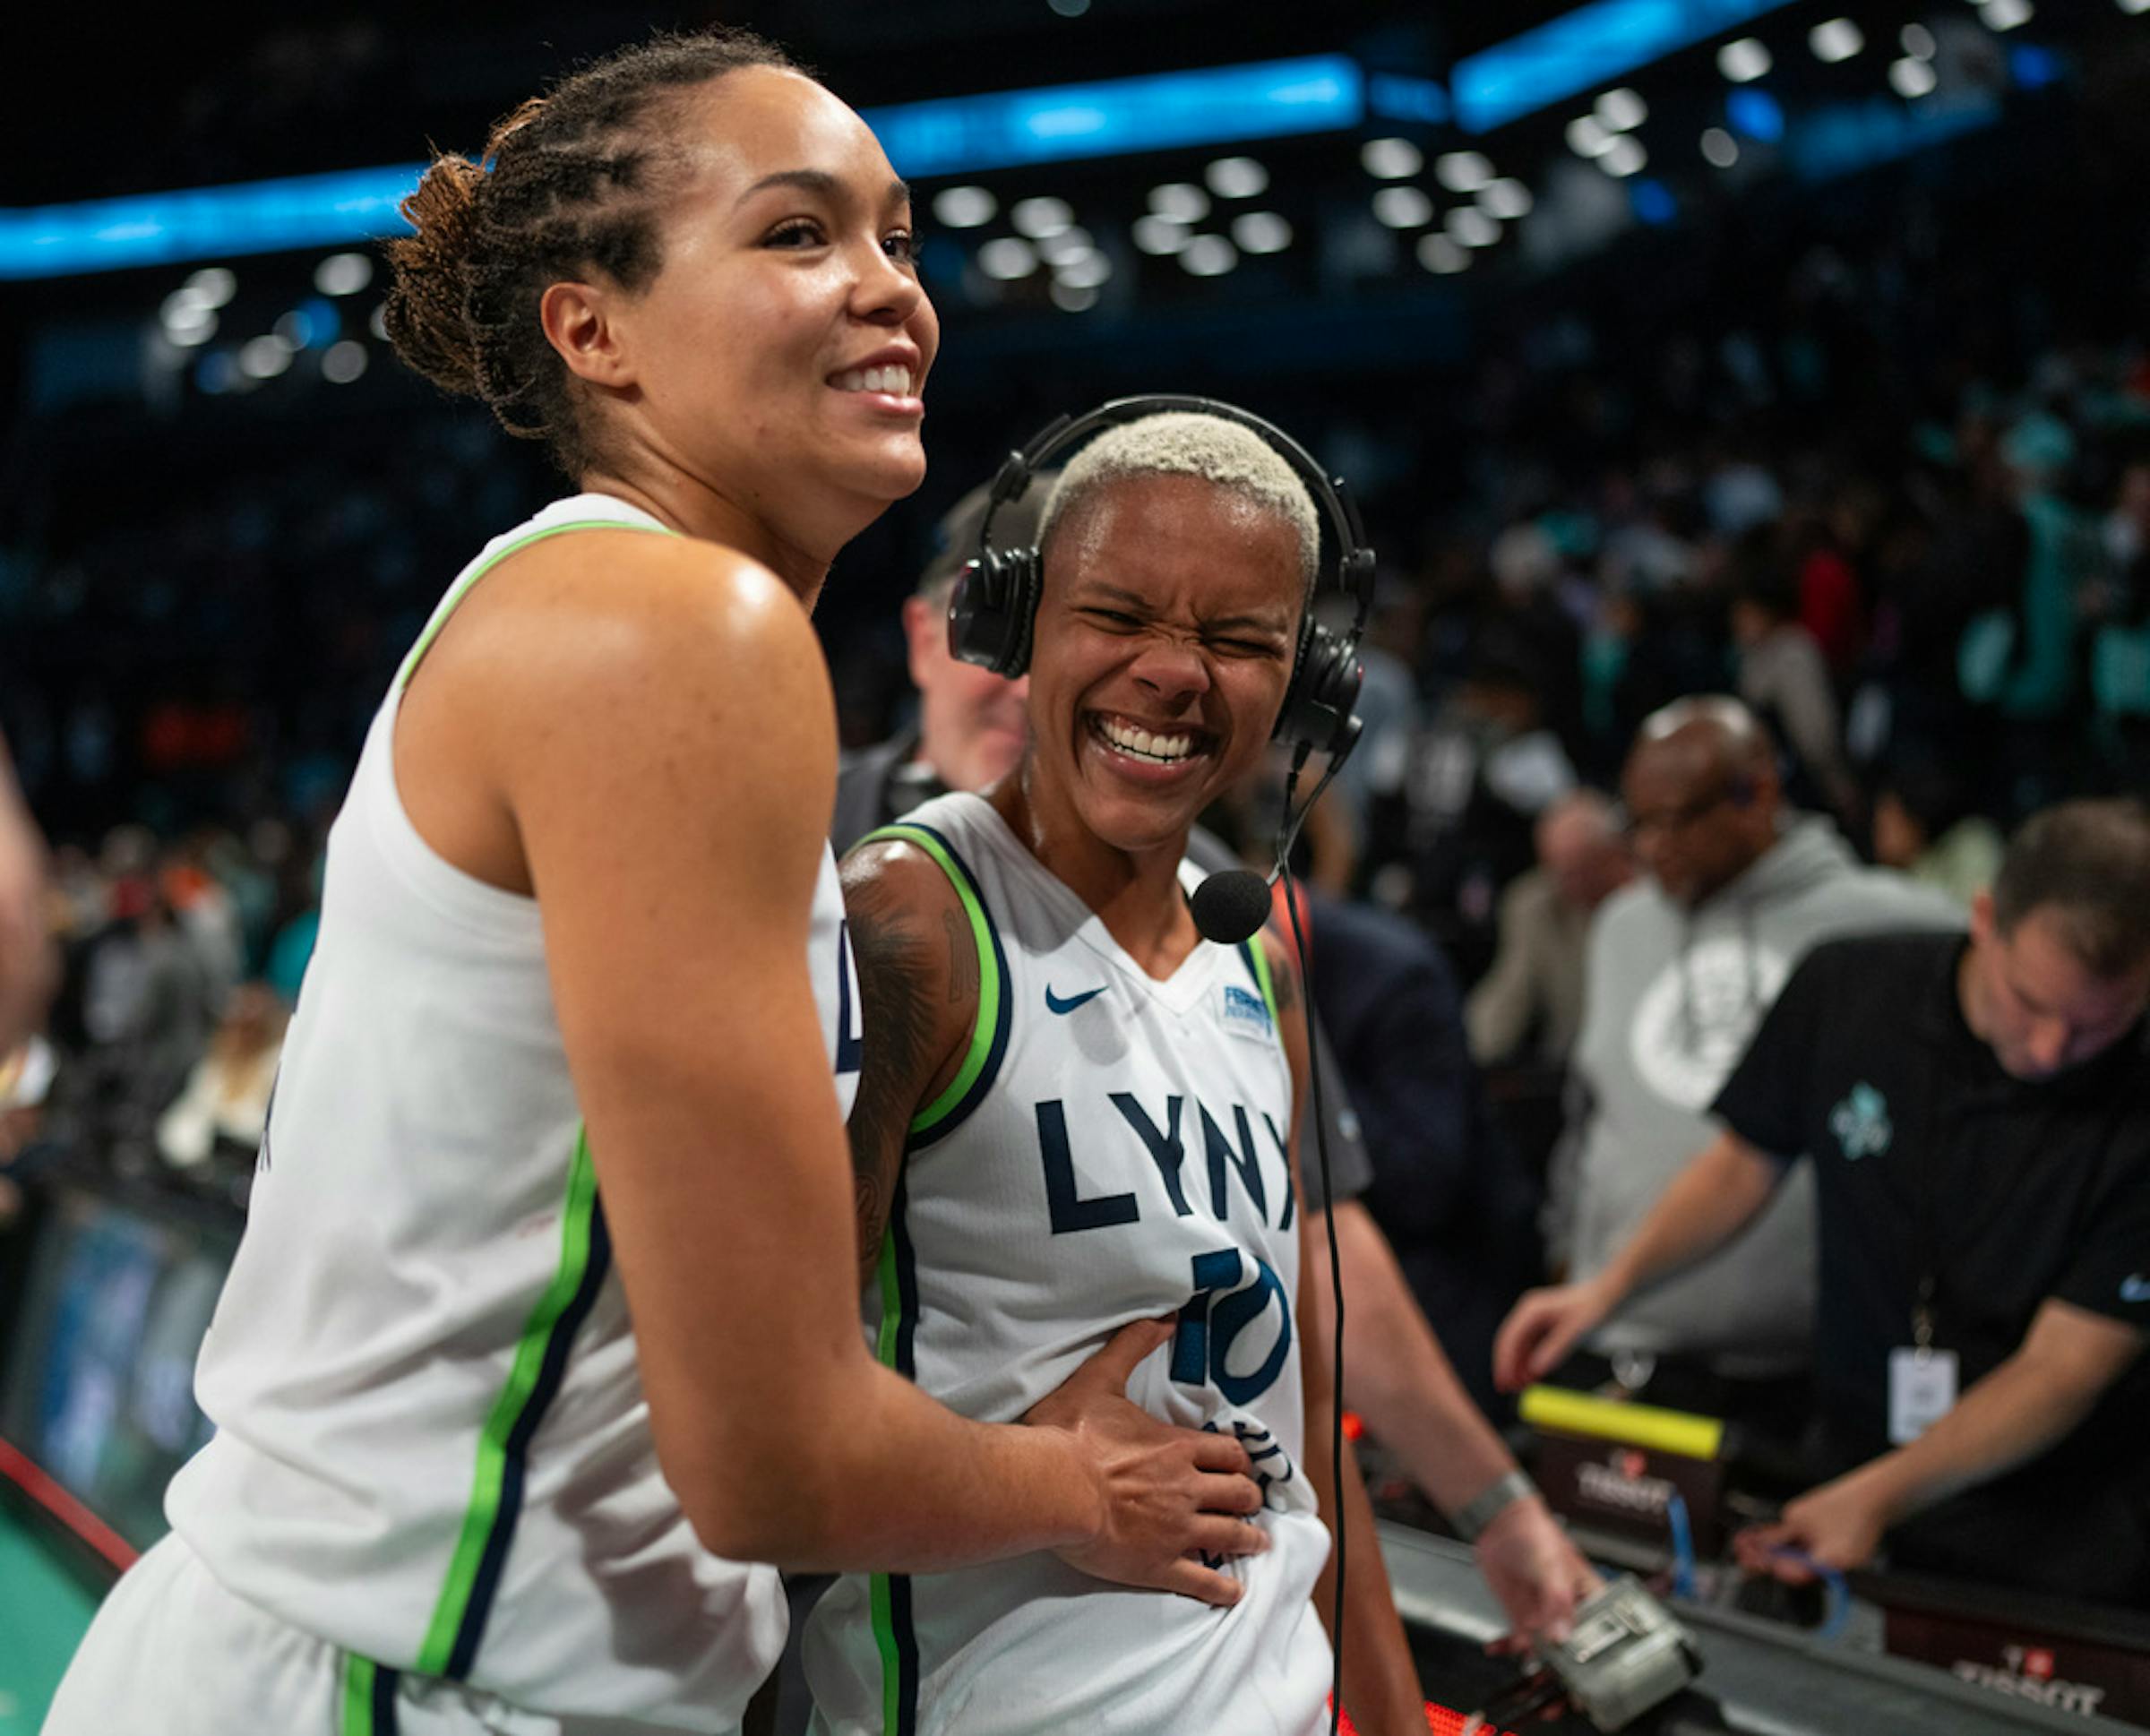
<point x="1741" y="493"/>
<point x="291" y="947"/>
<point x="1645" y="551"/>
<point x="148" y="997"/>
<point x="205" y="911"/>
<point x="1785" y="681"/>
<point x="2120" y="665"/>
<point x="1924" y="826"/>
<point x="291" y="951"/>
<point x="28" y="965"/>
<point x="1326" y="852"/>
<point x="1479" y="779"/>
<point x="971" y="723"/>
<point x="1456" y="1206"/>
<point x="1643" y="652"/>
<point x="26" y="1077"/>
<point x="1682" y="965"/>
<point x="2020" y="658"/>
<point x="1541" y="609"/>
<point x="1826" y="599"/>
<point x="1387" y="709"/>
<point x="225" y="1102"/>
<point x="1534" y="993"/>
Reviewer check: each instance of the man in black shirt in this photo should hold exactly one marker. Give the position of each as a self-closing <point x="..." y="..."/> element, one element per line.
<point x="1978" y="1114"/>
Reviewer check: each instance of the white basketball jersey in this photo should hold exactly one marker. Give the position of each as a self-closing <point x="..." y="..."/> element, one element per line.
<point x="1113" y="1149"/>
<point x="432" y="1448"/>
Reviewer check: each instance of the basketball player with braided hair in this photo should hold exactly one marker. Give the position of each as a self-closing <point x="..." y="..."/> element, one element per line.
<point x="543" y="1325"/>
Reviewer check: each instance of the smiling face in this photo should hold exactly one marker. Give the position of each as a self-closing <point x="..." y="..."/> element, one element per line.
<point x="778" y="355"/>
<point x="2034" y="1002"/>
<point x="1164" y="639"/>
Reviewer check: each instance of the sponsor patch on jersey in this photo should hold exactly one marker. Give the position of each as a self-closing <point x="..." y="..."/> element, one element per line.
<point x="1246" y="1014"/>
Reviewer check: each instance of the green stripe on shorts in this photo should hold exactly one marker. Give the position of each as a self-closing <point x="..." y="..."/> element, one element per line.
<point x="358" y="1674"/>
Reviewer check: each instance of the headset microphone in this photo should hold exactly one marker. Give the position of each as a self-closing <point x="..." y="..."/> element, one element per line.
<point x="1229" y="906"/>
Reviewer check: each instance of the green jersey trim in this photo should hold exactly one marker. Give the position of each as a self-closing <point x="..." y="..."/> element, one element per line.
<point x="1258" y="962"/>
<point x="989" y="1031"/>
<point x="462" y="585"/>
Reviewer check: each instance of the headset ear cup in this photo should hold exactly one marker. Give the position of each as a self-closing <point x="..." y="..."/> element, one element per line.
<point x="1345" y="675"/>
<point x="1026" y="580"/>
<point x="1324" y="690"/>
<point x="1291" y="716"/>
<point x="972" y="631"/>
<point x="990" y="609"/>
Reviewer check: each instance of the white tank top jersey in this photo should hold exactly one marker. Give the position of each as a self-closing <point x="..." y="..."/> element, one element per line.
<point x="1112" y="1150"/>
<point x="432" y="1448"/>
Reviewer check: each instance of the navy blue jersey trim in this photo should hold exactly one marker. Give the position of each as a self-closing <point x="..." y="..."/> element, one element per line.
<point x="551" y="1374"/>
<point x="907" y="1282"/>
<point x="906" y="1654"/>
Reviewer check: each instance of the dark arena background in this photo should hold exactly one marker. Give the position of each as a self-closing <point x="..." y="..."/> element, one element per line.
<point x="1798" y="349"/>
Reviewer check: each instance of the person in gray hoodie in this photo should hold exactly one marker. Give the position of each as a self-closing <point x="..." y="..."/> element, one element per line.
<point x="1682" y="965"/>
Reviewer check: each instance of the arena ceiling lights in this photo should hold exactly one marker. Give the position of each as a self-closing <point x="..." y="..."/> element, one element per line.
<point x="926" y="141"/>
<point x="163" y="228"/>
<point x="1581" y="51"/>
<point x="1162" y="111"/>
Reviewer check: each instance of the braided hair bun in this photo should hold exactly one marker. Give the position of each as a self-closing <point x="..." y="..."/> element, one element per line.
<point x="571" y="184"/>
<point x="425" y="315"/>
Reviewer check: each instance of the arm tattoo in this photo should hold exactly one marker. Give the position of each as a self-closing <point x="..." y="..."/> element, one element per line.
<point x="895" y="968"/>
<point x="962" y="959"/>
<point x="1283" y="977"/>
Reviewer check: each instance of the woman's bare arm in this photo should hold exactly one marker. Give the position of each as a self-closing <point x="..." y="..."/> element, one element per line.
<point x="918" y="991"/>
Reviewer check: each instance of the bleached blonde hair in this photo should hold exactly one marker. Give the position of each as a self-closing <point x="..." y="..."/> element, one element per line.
<point x="1189" y="443"/>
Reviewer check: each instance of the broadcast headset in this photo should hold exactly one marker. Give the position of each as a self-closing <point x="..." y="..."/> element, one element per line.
<point x="994" y="603"/>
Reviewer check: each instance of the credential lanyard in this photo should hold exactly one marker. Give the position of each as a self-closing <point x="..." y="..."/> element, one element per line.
<point x="1925" y="1230"/>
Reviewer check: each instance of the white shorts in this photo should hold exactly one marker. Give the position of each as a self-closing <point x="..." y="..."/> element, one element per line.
<point x="172" y="1653"/>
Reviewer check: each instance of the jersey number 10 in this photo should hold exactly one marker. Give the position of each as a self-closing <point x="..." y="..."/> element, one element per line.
<point x="1224" y="1305"/>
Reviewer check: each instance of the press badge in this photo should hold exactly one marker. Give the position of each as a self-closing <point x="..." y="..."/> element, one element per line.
<point x="1921" y="1391"/>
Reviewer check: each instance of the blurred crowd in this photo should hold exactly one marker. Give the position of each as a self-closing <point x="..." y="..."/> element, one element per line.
<point x="1941" y="637"/>
<point x="179" y="962"/>
<point x="1920" y="557"/>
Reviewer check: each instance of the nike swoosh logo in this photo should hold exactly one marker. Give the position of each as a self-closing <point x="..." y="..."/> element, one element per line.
<point x="1056" y="1004"/>
<point x="2135" y="1289"/>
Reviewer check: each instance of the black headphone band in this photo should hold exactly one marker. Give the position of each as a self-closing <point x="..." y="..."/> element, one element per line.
<point x="1354" y="561"/>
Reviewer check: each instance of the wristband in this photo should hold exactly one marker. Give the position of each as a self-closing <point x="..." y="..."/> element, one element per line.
<point x="1471" y="1519"/>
